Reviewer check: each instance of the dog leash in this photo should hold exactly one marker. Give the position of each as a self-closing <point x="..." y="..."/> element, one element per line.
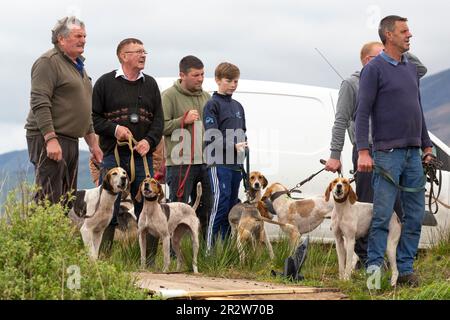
<point x="182" y="182"/>
<point x="387" y="176"/>
<point x="129" y="143"/>
<point x="301" y="183"/>
<point x="433" y="173"/>
<point x="246" y="171"/>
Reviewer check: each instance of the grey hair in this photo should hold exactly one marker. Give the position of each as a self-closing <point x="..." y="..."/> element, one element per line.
<point x="64" y="26"/>
<point x="388" y="24"/>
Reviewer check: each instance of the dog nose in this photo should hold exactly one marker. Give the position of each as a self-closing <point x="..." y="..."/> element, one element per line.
<point x="339" y="186"/>
<point x="257" y="185"/>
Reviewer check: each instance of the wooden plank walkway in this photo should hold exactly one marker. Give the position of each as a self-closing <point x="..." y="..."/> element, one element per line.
<point x="188" y="286"/>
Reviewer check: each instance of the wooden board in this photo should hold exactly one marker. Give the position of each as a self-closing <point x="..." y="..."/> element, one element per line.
<point x="188" y="286"/>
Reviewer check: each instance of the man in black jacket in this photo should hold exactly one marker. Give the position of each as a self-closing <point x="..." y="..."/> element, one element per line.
<point x="128" y="102"/>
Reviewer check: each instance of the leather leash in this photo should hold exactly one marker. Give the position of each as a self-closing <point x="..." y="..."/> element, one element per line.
<point x="130" y="143"/>
<point x="182" y="183"/>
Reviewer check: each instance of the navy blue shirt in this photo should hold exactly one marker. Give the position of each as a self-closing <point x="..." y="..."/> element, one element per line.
<point x="389" y="93"/>
<point x="227" y="116"/>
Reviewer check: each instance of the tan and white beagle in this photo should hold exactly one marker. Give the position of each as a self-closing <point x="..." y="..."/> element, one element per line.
<point x="305" y="215"/>
<point x="167" y="221"/>
<point x="350" y="220"/>
<point x="245" y="218"/>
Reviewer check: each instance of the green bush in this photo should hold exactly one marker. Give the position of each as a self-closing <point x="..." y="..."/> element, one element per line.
<point x="42" y="254"/>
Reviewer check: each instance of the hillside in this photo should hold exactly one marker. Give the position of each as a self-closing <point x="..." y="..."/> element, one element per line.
<point x="435" y="94"/>
<point x="15" y="167"/>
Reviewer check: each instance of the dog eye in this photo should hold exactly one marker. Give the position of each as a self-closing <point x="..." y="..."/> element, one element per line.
<point x="114" y="173"/>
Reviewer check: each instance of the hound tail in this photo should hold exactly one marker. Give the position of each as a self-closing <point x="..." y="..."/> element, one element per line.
<point x="199" y="195"/>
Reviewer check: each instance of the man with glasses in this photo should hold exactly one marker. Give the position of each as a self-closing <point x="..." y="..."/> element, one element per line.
<point x="127" y="102"/>
<point x="60" y="112"/>
<point x="344" y="120"/>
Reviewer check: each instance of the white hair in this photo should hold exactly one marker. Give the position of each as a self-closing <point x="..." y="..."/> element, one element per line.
<point x="64" y="26"/>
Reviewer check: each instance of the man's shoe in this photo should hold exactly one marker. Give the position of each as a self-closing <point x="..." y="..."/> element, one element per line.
<point x="411" y="280"/>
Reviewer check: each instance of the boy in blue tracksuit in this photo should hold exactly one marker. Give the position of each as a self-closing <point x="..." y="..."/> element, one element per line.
<point x="224" y="122"/>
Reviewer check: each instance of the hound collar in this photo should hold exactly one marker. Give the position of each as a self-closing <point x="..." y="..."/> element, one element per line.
<point x="341" y="200"/>
<point x="151" y="198"/>
<point x="278" y="194"/>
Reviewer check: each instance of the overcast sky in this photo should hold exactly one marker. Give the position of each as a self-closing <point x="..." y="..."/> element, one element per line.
<point x="268" y="40"/>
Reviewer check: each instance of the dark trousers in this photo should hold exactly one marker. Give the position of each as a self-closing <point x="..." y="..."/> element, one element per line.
<point x="109" y="162"/>
<point x="364" y="192"/>
<point x="197" y="173"/>
<point x="225" y="184"/>
<point x="54" y="179"/>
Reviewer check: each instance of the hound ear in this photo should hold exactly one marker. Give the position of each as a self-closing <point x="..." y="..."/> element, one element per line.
<point x="327" y="192"/>
<point x="106" y="184"/>
<point x="352" y="197"/>
<point x="265" y="182"/>
<point x="161" y="193"/>
<point x="139" y="193"/>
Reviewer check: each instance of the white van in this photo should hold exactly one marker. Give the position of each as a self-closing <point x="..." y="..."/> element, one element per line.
<point x="289" y="131"/>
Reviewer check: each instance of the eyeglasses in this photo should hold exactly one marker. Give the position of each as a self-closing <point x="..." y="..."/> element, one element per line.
<point x="139" y="52"/>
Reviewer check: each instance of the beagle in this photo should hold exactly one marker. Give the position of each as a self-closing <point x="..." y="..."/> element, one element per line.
<point x="167" y="221"/>
<point x="93" y="208"/>
<point x="350" y="220"/>
<point x="297" y="217"/>
<point x="245" y="218"/>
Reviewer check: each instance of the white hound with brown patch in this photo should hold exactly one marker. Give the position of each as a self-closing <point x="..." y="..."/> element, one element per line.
<point x="305" y="215"/>
<point x="167" y="221"/>
<point x="351" y="220"/>
<point x="93" y="208"/>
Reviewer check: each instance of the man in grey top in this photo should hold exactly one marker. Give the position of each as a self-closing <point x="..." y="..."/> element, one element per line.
<point x="61" y="106"/>
<point x="344" y="120"/>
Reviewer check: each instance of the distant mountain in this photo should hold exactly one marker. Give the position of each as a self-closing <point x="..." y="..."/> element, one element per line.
<point x="15" y="168"/>
<point x="435" y="94"/>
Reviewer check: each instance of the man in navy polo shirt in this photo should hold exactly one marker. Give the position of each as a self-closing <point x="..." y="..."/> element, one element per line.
<point x="389" y="95"/>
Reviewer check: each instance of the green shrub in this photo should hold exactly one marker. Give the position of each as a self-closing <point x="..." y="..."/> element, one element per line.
<point x="42" y="254"/>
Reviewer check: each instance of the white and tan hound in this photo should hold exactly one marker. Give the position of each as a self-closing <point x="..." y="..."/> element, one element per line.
<point x="245" y="218"/>
<point x="167" y="221"/>
<point x="93" y="208"/>
<point x="297" y="216"/>
<point x="351" y="220"/>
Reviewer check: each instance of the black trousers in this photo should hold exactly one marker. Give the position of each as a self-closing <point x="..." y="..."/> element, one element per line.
<point x="197" y="173"/>
<point x="364" y="192"/>
<point x="55" y="178"/>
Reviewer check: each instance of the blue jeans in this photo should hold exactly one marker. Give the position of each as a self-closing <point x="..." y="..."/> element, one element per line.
<point x="364" y="192"/>
<point x="405" y="166"/>
<point x="225" y="188"/>
<point x="109" y="162"/>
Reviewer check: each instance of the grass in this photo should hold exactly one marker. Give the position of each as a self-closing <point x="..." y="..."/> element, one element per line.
<point x="320" y="268"/>
<point x="42" y="257"/>
<point x="39" y="244"/>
